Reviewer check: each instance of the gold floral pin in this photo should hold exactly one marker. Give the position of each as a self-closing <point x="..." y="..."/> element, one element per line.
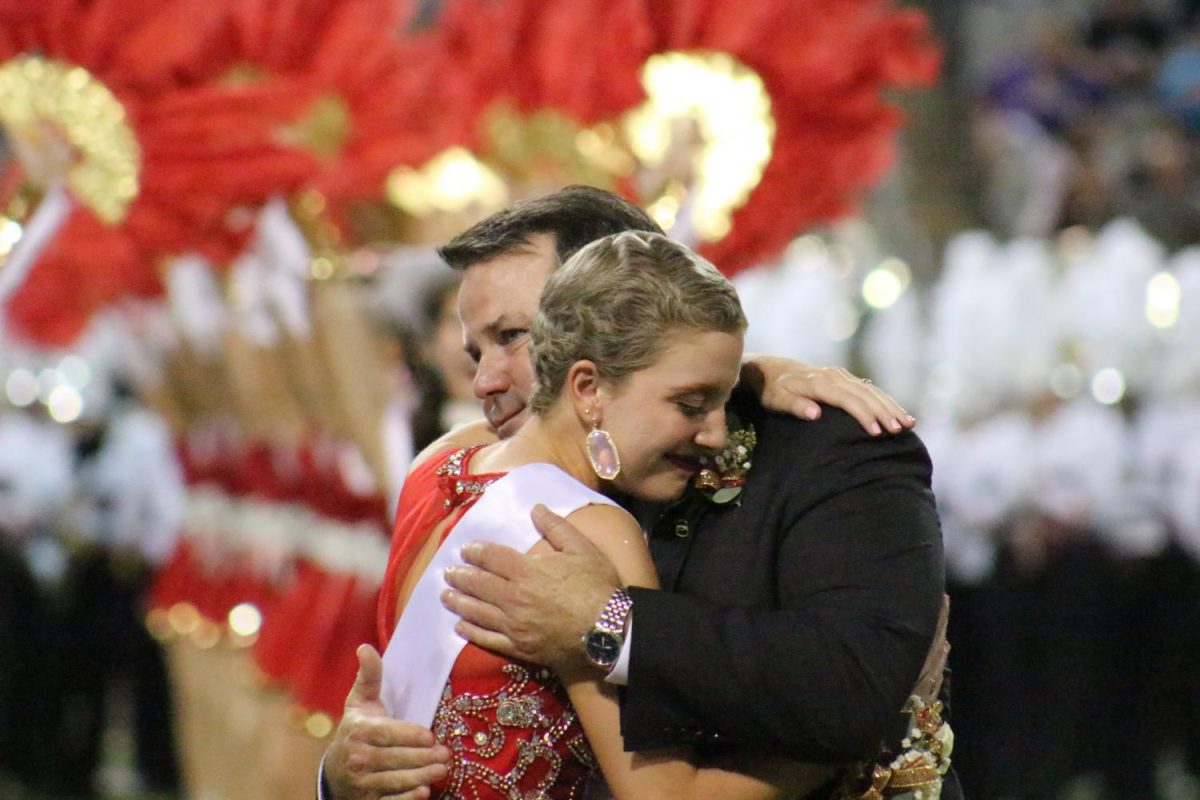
<point x="723" y="475"/>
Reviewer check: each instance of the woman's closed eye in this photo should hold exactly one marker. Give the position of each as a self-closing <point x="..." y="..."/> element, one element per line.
<point x="692" y="410"/>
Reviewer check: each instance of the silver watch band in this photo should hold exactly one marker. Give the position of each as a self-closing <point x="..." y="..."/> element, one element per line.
<point x="615" y="615"/>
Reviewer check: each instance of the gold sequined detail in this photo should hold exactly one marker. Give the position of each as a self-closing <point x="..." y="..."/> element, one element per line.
<point x="582" y="751"/>
<point x="464" y="723"/>
<point x="917" y="771"/>
<point x="460" y="490"/>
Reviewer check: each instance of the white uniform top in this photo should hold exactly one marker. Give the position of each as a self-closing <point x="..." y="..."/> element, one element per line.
<point x="424" y="646"/>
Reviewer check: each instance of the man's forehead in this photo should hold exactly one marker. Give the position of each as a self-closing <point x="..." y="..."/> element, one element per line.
<point x="543" y="245"/>
<point x="496" y="305"/>
<point x="534" y="248"/>
<point x="528" y="261"/>
<point x="503" y="291"/>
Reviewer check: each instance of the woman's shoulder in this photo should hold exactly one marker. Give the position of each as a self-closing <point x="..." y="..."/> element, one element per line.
<point x="607" y="519"/>
<point x="616" y="534"/>
<point x="475" y="433"/>
<point x="436" y="475"/>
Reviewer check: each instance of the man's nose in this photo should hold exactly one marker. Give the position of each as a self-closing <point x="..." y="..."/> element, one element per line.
<point x="491" y="377"/>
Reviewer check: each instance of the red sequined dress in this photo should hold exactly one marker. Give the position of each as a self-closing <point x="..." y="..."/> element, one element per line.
<point x="509" y="725"/>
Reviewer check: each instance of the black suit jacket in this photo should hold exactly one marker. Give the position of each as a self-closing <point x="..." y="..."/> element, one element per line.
<point x="797" y="623"/>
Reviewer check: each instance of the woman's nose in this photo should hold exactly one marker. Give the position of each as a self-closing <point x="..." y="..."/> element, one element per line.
<point x="713" y="435"/>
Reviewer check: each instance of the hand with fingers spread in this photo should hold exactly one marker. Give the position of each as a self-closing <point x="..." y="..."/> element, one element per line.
<point x="374" y="757"/>
<point x="796" y="388"/>
<point x="536" y="606"/>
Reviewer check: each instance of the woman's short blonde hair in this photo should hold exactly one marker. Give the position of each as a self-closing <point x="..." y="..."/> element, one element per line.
<point x="617" y="301"/>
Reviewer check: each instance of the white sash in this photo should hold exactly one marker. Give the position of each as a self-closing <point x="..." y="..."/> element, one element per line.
<point x="424" y="646"/>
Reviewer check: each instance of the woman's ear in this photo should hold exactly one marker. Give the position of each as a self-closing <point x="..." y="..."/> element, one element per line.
<point x="585" y="389"/>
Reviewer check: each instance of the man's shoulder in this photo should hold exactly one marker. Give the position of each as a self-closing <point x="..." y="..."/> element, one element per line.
<point x="834" y="424"/>
<point x="834" y="427"/>
<point x="796" y="451"/>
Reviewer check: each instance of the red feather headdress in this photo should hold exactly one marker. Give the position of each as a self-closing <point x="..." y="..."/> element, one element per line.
<point x="825" y="65"/>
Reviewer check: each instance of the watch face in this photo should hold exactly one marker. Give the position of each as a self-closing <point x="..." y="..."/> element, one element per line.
<point x="603" y="648"/>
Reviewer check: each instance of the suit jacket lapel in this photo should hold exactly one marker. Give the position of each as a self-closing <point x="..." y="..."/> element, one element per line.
<point x="671" y="538"/>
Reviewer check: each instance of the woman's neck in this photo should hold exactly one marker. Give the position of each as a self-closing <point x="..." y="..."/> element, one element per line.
<point x="557" y="439"/>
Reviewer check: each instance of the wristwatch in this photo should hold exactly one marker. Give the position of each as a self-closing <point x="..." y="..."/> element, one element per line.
<point x="602" y="644"/>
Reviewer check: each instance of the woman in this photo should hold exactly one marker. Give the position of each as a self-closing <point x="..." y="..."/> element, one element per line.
<point x="637" y="347"/>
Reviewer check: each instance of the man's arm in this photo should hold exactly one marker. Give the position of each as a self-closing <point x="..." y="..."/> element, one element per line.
<point x="821" y="676"/>
<point x="859" y="583"/>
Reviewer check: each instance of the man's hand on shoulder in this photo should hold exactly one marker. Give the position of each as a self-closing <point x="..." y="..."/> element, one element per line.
<point x="796" y="388"/>
<point x="533" y="606"/>
<point x="373" y="756"/>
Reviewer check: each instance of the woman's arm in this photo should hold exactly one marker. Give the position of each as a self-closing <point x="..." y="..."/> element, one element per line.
<point x="796" y="388"/>
<point x="667" y="774"/>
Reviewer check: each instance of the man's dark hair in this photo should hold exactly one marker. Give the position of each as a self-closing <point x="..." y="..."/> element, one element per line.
<point x="575" y="216"/>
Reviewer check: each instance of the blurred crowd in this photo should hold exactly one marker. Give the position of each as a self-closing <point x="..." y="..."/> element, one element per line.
<point x="1083" y="112"/>
<point x="1061" y="399"/>
<point x="1059" y="393"/>
<point x="88" y="513"/>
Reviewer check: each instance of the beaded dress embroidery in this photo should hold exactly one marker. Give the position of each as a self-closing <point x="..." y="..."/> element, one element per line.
<point x="509" y="725"/>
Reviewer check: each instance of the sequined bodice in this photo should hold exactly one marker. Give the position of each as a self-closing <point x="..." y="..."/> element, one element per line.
<point x="511" y="731"/>
<point x="509" y="725"/>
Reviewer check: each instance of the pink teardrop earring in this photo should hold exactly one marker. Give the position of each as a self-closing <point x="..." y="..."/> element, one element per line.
<point x="602" y="453"/>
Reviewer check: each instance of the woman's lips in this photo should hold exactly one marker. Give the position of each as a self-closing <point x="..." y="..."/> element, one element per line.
<point x="685" y="463"/>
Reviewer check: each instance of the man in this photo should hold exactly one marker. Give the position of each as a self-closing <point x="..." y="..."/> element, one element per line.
<point x="794" y="624"/>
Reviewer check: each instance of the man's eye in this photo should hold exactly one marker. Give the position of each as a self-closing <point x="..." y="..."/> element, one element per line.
<point x="472" y="354"/>
<point x="510" y="335"/>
